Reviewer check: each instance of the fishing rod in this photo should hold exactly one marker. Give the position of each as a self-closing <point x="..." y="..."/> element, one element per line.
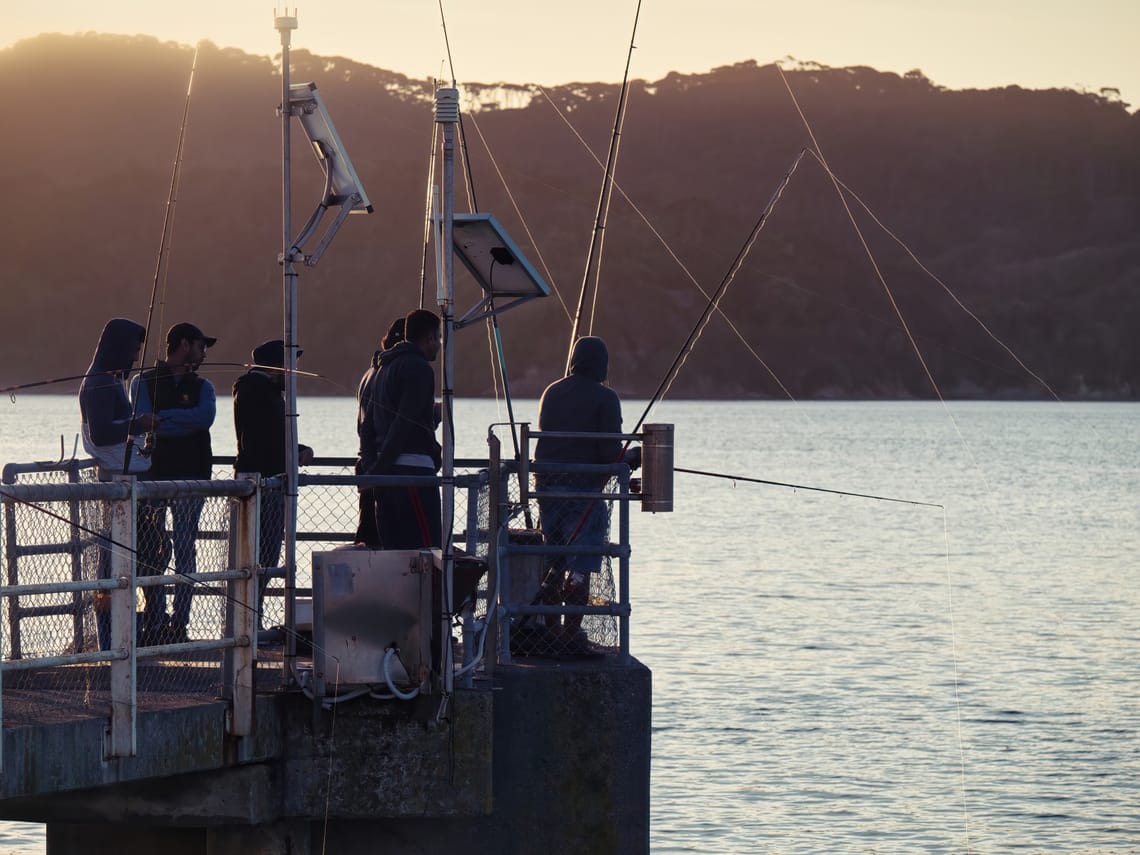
<point x="11" y="391"/>
<point x="171" y="202"/>
<point x="161" y="269"/>
<point x="715" y="299"/>
<point x="471" y="201"/>
<point x="593" y="270"/>
<point x="494" y="331"/>
<point x="804" y="487"/>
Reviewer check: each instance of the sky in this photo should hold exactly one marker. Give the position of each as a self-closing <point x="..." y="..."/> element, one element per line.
<point x="956" y="43"/>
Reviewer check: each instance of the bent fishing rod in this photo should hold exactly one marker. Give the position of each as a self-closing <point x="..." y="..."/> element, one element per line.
<point x="698" y="328"/>
<point x="714" y="300"/>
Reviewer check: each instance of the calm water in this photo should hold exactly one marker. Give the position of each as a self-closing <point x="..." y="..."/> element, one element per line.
<point x="837" y="674"/>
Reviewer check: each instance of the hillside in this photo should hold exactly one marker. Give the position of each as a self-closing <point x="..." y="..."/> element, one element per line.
<point x="1026" y="204"/>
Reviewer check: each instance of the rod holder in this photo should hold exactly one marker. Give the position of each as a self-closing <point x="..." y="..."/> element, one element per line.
<point x="657" y="468"/>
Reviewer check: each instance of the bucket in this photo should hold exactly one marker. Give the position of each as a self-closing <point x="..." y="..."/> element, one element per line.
<point x="525" y="571"/>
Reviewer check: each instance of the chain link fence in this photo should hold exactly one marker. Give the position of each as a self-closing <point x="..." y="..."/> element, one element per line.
<point x="558" y="557"/>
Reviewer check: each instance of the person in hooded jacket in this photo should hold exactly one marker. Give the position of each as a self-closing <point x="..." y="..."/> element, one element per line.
<point x="366" y="530"/>
<point x="578" y="403"/>
<point x="259" y="422"/>
<point x="104" y="407"/>
<point x="108" y="426"/>
<point x="402" y="415"/>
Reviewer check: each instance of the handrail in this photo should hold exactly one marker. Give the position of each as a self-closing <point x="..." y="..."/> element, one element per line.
<point x="122" y="649"/>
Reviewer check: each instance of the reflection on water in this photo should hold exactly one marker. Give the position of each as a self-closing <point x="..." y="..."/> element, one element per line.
<point x="21" y="838"/>
<point x="834" y="674"/>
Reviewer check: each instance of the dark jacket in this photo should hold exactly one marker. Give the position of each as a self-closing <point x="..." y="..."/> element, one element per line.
<point x="182" y="451"/>
<point x="103" y="402"/>
<point x="402" y="411"/>
<point x="366" y="454"/>
<point x="259" y="420"/>
<point x="580" y="403"/>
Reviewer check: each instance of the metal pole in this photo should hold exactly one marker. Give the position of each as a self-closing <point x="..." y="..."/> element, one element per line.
<point x="447" y="115"/>
<point x="123" y="734"/>
<point x="494" y="558"/>
<point x="243" y="658"/>
<point x="285" y="25"/>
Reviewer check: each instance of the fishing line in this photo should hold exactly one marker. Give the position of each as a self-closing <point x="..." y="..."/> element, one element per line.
<point x="884" y="321"/>
<point x="804" y="487"/>
<point x="519" y="214"/>
<point x="162" y="263"/>
<point x="608" y="185"/>
<point x="957" y="698"/>
<point x="673" y="255"/>
<point x="492" y="357"/>
<point x="471" y="202"/>
<point x="991" y="493"/>
<point x="863" y="242"/>
<point x="715" y="299"/>
<point x="494" y="337"/>
<point x="492" y="325"/>
<point x="933" y="383"/>
<point x="11" y="391"/>
<point x="592" y="273"/>
<point x="698" y="328"/>
<point x="328" y="779"/>
<point x="933" y="276"/>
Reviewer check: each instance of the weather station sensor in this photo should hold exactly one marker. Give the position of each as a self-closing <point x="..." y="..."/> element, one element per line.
<point x="343" y="189"/>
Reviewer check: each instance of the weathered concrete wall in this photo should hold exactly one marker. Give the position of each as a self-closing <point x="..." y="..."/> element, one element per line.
<point x="555" y="758"/>
<point x="370" y="760"/>
<point x="57" y="758"/>
<point x="572" y="758"/>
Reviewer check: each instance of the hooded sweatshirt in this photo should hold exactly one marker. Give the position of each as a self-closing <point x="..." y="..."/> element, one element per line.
<point x="103" y="403"/>
<point x="580" y="403"/>
<point x="259" y="422"/>
<point x="402" y="410"/>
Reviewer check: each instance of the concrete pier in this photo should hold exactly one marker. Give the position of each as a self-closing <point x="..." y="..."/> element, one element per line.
<point x="550" y="756"/>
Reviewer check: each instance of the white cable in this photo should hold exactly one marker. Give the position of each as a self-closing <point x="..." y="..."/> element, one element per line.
<point x="403" y="696"/>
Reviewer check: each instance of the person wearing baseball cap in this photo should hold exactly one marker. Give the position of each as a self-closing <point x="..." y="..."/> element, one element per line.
<point x="189" y="333"/>
<point x="259" y="422"/>
<point x="184" y="405"/>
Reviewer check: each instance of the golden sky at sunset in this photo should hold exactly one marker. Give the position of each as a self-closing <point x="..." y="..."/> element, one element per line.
<point x="957" y="43"/>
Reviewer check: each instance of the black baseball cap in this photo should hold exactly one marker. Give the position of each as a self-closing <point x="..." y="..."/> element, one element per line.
<point x="189" y="332"/>
<point x="272" y="353"/>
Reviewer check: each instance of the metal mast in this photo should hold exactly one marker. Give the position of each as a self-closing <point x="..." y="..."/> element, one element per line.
<point x="447" y="115"/>
<point x="285" y="25"/>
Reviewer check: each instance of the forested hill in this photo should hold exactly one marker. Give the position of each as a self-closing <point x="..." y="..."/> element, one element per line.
<point x="1023" y="206"/>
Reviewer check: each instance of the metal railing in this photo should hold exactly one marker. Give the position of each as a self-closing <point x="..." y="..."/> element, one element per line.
<point x="542" y="537"/>
<point x="103" y="591"/>
<point x="69" y="606"/>
<point x="76" y="589"/>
